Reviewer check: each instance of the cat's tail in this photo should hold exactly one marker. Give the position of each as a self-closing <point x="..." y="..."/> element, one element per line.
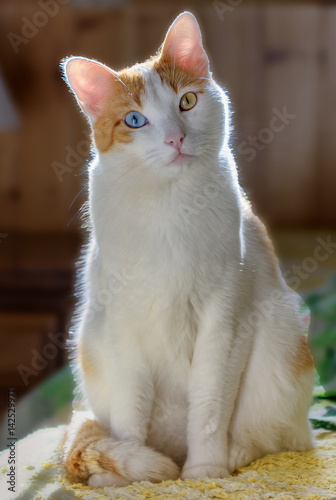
<point x="91" y="453"/>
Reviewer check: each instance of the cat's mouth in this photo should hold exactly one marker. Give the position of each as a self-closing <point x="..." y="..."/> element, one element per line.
<point x="180" y="158"/>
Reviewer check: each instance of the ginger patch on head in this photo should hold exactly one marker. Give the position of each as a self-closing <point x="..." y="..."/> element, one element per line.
<point x="110" y="129"/>
<point x="177" y="77"/>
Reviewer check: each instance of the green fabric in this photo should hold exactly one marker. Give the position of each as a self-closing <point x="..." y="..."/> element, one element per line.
<point x="322" y="337"/>
<point x="323" y="413"/>
<point x="43" y="405"/>
<point x="322" y="340"/>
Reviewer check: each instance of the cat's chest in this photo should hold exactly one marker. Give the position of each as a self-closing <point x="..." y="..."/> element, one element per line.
<point x="161" y="273"/>
<point x="162" y="267"/>
<point x="150" y="254"/>
<point x="156" y="309"/>
<point x="159" y="233"/>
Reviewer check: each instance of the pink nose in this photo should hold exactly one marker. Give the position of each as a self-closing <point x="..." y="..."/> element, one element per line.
<point x="175" y="139"/>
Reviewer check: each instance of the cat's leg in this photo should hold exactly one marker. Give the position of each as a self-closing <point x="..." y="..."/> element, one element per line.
<point x="109" y="448"/>
<point x="125" y="412"/>
<point x="131" y="395"/>
<point x="115" y="380"/>
<point x="218" y="361"/>
<point x="273" y="402"/>
<point x="89" y="368"/>
<point x="131" y="399"/>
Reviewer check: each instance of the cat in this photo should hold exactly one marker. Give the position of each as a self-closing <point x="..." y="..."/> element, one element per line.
<point x="189" y="348"/>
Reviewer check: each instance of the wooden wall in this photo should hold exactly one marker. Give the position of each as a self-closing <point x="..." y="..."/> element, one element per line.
<point x="269" y="56"/>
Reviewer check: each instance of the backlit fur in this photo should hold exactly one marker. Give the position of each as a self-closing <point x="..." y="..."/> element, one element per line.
<point x="189" y="349"/>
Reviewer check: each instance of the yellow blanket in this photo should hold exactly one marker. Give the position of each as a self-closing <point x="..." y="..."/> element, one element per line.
<point x="307" y="475"/>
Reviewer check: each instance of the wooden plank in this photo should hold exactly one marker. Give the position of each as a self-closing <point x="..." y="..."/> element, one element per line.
<point x="21" y="336"/>
<point x="233" y="40"/>
<point x="35" y="197"/>
<point x="267" y="56"/>
<point x="8" y="180"/>
<point x="326" y="157"/>
<point x="290" y="85"/>
<point x="46" y="202"/>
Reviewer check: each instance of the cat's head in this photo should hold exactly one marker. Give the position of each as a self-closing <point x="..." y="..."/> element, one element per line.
<point x="165" y="113"/>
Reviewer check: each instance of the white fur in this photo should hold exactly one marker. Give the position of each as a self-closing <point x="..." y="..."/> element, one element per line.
<point x="174" y="272"/>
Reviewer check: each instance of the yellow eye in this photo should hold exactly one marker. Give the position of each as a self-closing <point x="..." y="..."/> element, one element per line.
<point x="188" y="101"/>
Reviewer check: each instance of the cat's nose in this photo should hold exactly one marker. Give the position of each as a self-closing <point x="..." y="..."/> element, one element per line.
<point x="175" y="139"/>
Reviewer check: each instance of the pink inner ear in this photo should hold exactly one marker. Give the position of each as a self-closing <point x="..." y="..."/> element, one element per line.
<point x="92" y="84"/>
<point x="183" y="44"/>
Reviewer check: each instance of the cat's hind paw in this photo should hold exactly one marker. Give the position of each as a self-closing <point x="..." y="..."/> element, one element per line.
<point x="202" y="471"/>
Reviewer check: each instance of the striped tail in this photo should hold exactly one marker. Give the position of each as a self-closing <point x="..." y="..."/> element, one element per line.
<point x="90" y="453"/>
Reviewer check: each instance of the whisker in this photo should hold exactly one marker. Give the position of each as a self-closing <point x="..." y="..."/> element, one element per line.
<point x="204" y="78"/>
<point x="124" y="84"/>
<point x="77" y="215"/>
<point x="75" y="198"/>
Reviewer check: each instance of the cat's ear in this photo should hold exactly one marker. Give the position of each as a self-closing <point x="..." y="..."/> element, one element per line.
<point x="183" y="45"/>
<point x="91" y="83"/>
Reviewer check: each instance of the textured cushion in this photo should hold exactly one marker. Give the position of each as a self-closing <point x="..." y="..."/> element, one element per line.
<point x="292" y="475"/>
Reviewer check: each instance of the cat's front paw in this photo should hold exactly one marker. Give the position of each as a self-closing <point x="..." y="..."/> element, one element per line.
<point x="202" y="471"/>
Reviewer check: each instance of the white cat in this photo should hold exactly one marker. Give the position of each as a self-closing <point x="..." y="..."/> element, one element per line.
<point x="189" y="347"/>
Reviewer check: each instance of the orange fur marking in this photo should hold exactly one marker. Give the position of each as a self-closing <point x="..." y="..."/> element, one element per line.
<point x="177" y="77"/>
<point x="110" y="128"/>
<point x="261" y="235"/>
<point x="78" y="460"/>
<point x="87" y="361"/>
<point x="108" y="464"/>
<point x="303" y="361"/>
<point x="76" y="440"/>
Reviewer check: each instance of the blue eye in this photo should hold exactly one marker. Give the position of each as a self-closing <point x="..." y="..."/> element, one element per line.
<point x="134" y="119"/>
